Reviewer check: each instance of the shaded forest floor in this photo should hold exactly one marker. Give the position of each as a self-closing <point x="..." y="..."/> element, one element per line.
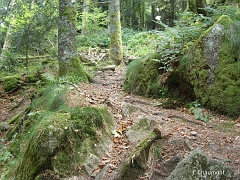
<point x="219" y="137"/>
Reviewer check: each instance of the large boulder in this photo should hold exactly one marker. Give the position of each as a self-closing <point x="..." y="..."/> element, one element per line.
<point x="212" y="67"/>
<point x="142" y="77"/>
<point x="56" y="139"/>
<point x="197" y="166"/>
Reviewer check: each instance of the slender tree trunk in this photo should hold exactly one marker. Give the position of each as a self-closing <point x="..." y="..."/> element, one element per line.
<point x="131" y="14"/>
<point x="116" y="52"/>
<point x="32" y="4"/>
<point x="172" y="13"/>
<point x="142" y="15"/>
<point x="196" y="6"/>
<point x="153" y="14"/>
<point x="84" y="30"/>
<point x="69" y="63"/>
<point x="95" y="2"/>
<point x="191" y="6"/>
<point x="7" y="42"/>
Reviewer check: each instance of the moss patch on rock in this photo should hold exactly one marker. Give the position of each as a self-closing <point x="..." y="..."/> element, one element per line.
<point x="142" y="77"/>
<point x="74" y="68"/>
<point x="11" y="83"/>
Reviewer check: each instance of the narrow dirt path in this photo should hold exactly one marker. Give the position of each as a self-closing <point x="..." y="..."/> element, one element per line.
<point x="180" y="131"/>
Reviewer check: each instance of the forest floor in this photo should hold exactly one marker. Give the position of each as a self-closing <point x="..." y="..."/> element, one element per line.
<point x="219" y="137"/>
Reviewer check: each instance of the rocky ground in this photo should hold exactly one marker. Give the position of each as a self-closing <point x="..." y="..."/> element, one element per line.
<point x="181" y="133"/>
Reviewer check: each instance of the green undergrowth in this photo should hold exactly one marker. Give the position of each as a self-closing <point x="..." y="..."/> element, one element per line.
<point x="50" y="136"/>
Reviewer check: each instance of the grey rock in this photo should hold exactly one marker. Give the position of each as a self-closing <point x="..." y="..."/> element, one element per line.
<point x="188" y="144"/>
<point x="193" y="133"/>
<point x="4" y="126"/>
<point x="197" y="166"/>
<point x="141" y="129"/>
<point x="214" y="147"/>
<point x="171" y="164"/>
<point x="128" y="109"/>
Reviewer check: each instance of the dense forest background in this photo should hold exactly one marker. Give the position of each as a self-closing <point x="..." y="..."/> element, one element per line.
<point x="30" y="27"/>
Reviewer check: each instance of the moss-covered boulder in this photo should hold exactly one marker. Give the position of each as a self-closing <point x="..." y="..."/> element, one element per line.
<point x="60" y="142"/>
<point x="212" y="67"/>
<point x="57" y="139"/>
<point x="142" y="77"/>
<point x="11" y="83"/>
<point x="199" y="166"/>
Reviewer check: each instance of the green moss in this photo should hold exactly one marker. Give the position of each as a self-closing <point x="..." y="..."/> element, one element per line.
<point x="224" y="19"/>
<point x="74" y="68"/>
<point x="15" y="118"/>
<point x="224" y="95"/>
<point x="31" y="78"/>
<point x="142" y="77"/>
<point x="51" y="140"/>
<point x="86" y="120"/>
<point x="45" y="139"/>
<point x="11" y="83"/>
<point x="53" y="99"/>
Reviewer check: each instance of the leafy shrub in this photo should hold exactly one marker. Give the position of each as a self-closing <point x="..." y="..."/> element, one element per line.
<point x="98" y="39"/>
<point x="95" y="20"/>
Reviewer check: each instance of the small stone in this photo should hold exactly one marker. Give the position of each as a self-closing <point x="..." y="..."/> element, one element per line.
<point x="188" y="144"/>
<point x="193" y="138"/>
<point x="238" y="125"/>
<point x="4" y="126"/>
<point x="193" y="133"/>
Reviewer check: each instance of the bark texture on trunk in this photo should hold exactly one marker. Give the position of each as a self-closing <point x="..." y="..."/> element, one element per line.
<point x="116" y="52"/>
<point x="7" y="41"/>
<point x="84" y="30"/>
<point x="69" y="63"/>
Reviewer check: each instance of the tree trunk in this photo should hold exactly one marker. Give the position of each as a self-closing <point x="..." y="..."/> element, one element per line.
<point x="84" y="30"/>
<point x="131" y="14"/>
<point x="69" y="63"/>
<point x="153" y="14"/>
<point x="172" y="13"/>
<point x="116" y="52"/>
<point x="191" y="6"/>
<point x="196" y="6"/>
<point x="142" y="15"/>
<point x="7" y="41"/>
